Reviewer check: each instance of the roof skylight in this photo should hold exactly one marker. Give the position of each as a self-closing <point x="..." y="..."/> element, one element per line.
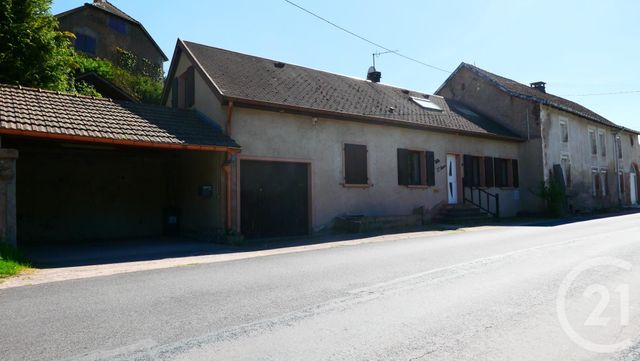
<point x="426" y="104"/>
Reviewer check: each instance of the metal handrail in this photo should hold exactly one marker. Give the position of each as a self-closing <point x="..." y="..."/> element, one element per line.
<point x="489" y="197"/>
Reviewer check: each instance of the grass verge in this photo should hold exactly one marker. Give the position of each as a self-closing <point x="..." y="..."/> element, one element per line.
<point x="12" y="261"/>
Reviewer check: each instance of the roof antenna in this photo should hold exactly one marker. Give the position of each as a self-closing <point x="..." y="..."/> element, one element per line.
<point x="373" y="75"/>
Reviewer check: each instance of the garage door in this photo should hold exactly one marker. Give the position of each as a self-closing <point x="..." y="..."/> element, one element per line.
<point x="274" y="198"/>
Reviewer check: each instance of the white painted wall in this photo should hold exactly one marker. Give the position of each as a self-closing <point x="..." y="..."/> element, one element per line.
<point x="280" y="135"/>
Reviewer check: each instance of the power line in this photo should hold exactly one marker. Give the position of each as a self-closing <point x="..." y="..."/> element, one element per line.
<point x="367" y="40"/>
<point x="597" y="94"/>
<point x="388" y="50"/>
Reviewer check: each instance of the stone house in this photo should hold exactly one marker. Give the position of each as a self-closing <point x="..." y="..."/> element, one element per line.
<point x="594" y="159"/>
<point x="104" y="31"/>
<point x="317" y="145"/>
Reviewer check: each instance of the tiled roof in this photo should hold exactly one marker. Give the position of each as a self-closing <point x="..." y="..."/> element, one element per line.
<point x="33" y="112"/>
<point x="524" y="91"/>
<point x="107" y="6"/>
<point x="265" y="82"/>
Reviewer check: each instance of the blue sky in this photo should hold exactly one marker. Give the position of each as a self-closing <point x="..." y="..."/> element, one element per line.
<point x="577" y="47"/>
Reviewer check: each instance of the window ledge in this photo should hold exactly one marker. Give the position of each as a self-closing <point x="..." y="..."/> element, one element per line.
<point x="356" y="185"/>
<point x="416" y="186"/>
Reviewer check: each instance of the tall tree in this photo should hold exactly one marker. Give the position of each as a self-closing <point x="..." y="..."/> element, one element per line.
<point x="33" y="52"/>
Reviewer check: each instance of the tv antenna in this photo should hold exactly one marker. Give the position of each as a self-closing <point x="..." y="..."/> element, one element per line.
<point x="382" y="53"/>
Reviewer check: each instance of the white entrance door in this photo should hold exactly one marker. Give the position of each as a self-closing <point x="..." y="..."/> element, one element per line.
<point x="452" y="179"/>
<point x="633" y="187"/>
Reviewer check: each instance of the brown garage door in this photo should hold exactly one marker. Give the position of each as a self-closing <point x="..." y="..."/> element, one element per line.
<point x="274" y="198"/>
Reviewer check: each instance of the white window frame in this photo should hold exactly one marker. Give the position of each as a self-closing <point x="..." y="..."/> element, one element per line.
<point x="604" y="182"/>
<point x="602" y="138"/>
<point x="593" y="142"/>
<point x="566" y="170"/>
<point x="619" y="146"/>
<point x="564" y="131"/>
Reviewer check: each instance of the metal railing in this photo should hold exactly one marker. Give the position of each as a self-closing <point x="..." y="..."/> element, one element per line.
<point x="481" y="193"/>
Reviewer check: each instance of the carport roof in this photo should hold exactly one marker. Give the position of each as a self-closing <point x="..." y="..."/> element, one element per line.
<point x="47" y="114"/>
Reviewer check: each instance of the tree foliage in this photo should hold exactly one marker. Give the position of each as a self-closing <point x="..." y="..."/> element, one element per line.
<point x="141" y="87"/>
<point x="33" y="52"/>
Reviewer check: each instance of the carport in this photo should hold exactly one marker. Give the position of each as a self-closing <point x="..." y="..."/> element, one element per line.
<point x="97" y="170"/>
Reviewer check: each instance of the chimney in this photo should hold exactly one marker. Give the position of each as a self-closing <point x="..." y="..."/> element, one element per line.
<point x="373" y="75"/>
<point x="540" y="86"/>
<point x="98" y="1"/>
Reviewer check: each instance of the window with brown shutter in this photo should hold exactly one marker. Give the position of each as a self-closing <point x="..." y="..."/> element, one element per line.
<point x="488" y="172"/>
<point x="174" y="93"/>
<point x="189" y="87"/>
<point x="416" y="168"/>
<point x="183" y="89"/>
<point x="472" y="171"/>
<point x="355" y="164"/>
<point x="501" y="172"/>
<point x="431" y="168"/>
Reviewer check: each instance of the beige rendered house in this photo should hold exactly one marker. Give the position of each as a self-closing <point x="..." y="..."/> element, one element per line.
<point x="317" y="145"/>
<point x="595" y="159"/>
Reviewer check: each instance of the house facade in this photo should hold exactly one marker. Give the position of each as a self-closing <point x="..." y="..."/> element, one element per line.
<point x="104" y="31"/>
<point x="317" y="146"/>
<point x="592" y="158"/>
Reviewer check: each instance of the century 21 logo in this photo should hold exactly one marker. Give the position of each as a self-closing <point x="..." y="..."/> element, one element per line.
<point x="596" y="317"/>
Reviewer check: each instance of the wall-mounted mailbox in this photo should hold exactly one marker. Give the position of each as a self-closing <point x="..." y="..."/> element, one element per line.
<point x="205" y="191"/>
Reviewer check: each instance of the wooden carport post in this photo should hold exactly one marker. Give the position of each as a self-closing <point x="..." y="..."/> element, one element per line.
<point x="8" y="227"/>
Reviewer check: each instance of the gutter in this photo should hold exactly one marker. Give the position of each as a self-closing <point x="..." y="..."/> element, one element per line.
<point x="109" y="141"/>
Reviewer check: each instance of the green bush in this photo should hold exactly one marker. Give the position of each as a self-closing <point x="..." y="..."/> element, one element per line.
<point x="143" y="88"/>
<point x="554" y="197"/>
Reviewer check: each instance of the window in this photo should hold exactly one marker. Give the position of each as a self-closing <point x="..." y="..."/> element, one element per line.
<point x="473" y="169"/>
<point x="621" y="180"/>
<point x="619" y="146"/>
<point x="603" y="143"/>
<point x="416" y="168"/>
<point x="498" y="172"/>
<point x="85" y="44"/>
<point x="604" y="182"/>
<point x="118" y="24"/>
<point x="183" y="89"/>
<point x="595" y="183"/>
<point x="426" y="103"/>
<point x="631" y="140"/>
<point x="355" y="164"/>
<point x="564" y="131"/>
<point x="565" y="163"/>
<point x="592" y="139"/>
<point x="489" y="175"/>
<point x="502" y="172"/>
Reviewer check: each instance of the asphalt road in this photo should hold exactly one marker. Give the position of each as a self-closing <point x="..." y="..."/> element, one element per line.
<point x="481" y="295"/>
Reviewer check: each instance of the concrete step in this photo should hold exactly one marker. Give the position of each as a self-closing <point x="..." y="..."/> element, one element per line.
<point x="461" y="214"/>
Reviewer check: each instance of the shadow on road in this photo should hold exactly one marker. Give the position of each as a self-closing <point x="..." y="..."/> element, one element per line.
<point x="107" y="252"/>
